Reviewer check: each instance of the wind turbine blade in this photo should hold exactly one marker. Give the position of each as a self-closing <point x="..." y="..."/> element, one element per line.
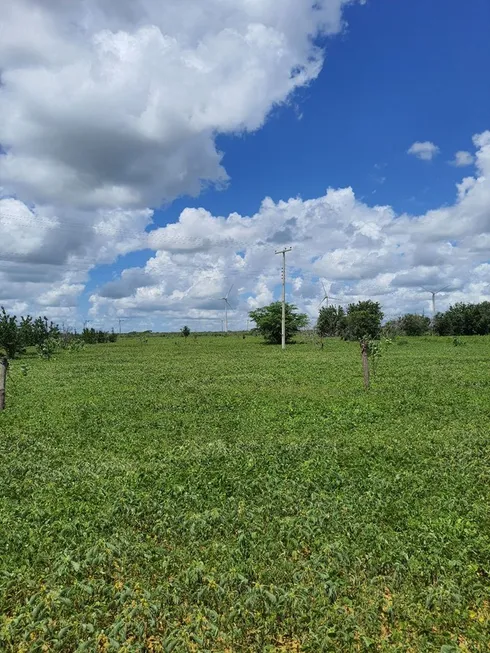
<point x="443" y="289"/>
<point x="324" y="290"/>
<point x="228" y="293"/>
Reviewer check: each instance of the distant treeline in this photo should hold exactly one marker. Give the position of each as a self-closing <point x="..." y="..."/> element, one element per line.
<point x="93" y="336"/>
<point x="464" y="320"/>
<point x="459" y="320"/>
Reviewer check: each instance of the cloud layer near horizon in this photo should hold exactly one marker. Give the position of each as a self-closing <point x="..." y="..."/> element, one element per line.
<point x="359" y="251"/>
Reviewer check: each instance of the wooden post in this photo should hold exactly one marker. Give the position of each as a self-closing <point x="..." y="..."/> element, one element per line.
<point x="3" y="380"/>
<point x="365" y="363"/>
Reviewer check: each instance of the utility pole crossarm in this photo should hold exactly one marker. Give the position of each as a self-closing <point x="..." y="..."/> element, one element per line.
<point x="283" y="325"/>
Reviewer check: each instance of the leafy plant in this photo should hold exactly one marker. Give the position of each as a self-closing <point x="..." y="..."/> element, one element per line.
<point x="331" y="321"/>
<point x="268" y="322"/>
<point x="185" y="331"/>
<point x="76" y="345"/>
<point x="374" y="354"/>
<point x="236" y="499"/>
<point x="363" y="320"/>
<point x="457" y="342"/>
<point x="12" y="339"/>
<point x="47" y="348"/>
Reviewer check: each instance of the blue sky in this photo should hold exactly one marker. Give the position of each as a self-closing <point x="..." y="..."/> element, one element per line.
<point x="398" y="73"/>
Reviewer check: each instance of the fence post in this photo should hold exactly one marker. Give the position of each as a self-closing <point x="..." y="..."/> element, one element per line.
<point x="365" y="362"/>
<point x="3" y="380"/>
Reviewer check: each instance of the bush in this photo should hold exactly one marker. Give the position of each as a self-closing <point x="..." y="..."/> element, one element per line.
<point x="47" y="348"/>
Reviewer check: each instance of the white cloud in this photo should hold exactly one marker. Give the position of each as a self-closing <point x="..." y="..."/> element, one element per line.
<point x="425" y="151"/>
<point x="462" y="159"/>
<point x="118" y="103"/>
<point x="109" y="108"/>
<point x="112" y="107"/>
<point x="359" y="251"/>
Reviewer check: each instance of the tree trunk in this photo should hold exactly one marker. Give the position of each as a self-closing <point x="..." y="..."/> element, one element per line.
<point x="365" y="363"/>
<point x="3" y="381"/>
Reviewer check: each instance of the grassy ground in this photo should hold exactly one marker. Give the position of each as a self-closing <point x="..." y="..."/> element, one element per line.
<point x="221" y="495"/>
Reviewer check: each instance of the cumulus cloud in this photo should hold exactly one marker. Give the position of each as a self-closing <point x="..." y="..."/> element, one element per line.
<point x="425" y="151"/>
<point x="462" y="159"/>
<point x="109" y="108"/>
<point x="118" y="103"/>
<point x="357" y="251"/>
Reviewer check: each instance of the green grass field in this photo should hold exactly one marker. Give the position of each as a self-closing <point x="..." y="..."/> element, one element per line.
<point x="221" y="495"/>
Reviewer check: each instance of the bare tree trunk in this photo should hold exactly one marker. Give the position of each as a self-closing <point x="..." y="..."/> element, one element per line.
<point x="3" y="381"/>
<point x="365" y="363"/>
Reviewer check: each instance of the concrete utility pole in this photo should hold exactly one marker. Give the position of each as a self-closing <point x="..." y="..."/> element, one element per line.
<point x="283" y="326"/>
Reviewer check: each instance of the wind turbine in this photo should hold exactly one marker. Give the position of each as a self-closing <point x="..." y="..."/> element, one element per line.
<point x="227" y="303"/>
<point x="434" y="293"/>
<point x="327" y="297"/>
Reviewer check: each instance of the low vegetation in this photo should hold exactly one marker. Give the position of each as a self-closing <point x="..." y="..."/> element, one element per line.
<point x="218" y="495"/>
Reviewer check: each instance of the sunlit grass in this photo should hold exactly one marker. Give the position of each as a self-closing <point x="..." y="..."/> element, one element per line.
<point x="222" y="495"/>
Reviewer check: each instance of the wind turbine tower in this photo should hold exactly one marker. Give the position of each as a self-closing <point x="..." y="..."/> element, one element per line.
<point x="434" y="293"/>
<point x="227" y="303"/>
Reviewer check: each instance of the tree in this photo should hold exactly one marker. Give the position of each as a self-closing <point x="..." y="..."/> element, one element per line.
<point x="464" y="320"/>
<point x="16" y="335"/>
<point x="331" y="321"/>
<point x="12" y="339"/>
<point x="269" y="321"/>
<point x="442" y="325"/>
<point x="185" y="331"/>
<point x="363" y="321"/>
<point x="414" y="325"/>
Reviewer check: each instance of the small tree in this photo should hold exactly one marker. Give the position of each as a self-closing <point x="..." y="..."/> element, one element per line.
<point x="12" y="339"/>
<point x="363" y="321"/>
<point x="331" y="321"/>
<point x="268" y="321"/>
<point x="185" y="331"/>
<point x="415" y="325"/>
